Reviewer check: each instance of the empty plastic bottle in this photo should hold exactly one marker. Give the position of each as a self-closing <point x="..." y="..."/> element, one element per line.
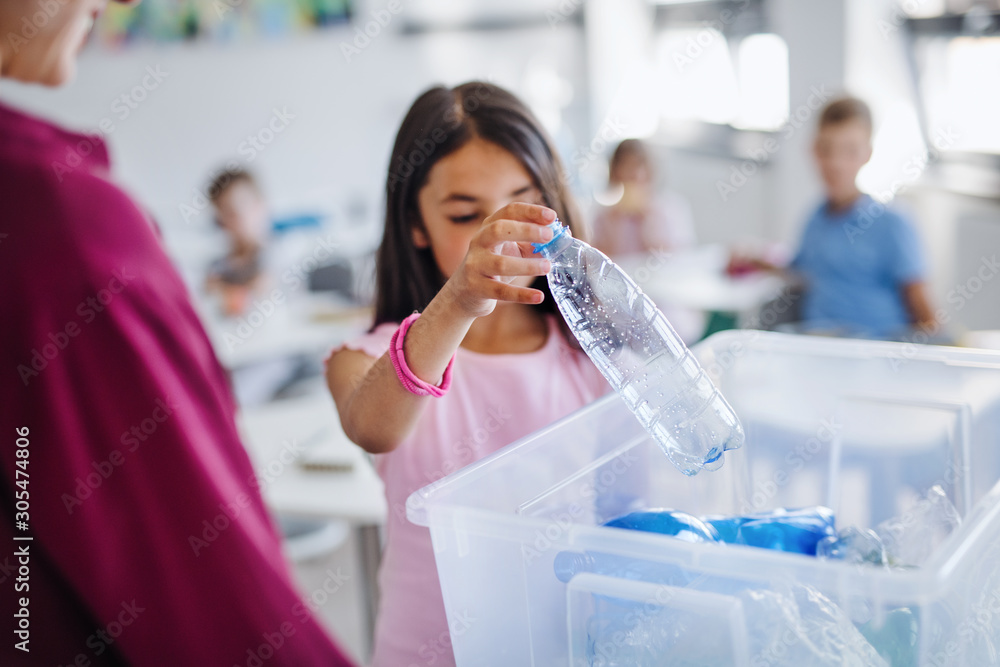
<point x="640" y="354"/>
<point x="853" y="545"/>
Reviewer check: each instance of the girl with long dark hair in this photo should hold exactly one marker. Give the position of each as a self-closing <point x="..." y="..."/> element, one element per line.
<point x="468" y="352"/>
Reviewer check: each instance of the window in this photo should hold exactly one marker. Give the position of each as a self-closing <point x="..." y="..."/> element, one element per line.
<point x="705" y="76"/>
<point x="959" y="91"/>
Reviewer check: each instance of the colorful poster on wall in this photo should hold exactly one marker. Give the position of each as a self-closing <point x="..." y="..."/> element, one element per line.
<point x="218" y="20"/>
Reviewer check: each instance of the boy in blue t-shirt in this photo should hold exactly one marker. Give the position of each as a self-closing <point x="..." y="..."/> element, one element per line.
<point x="862" y="263"/>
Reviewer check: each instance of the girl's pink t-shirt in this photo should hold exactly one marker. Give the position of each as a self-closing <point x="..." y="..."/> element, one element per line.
<point x="494" y="400"/>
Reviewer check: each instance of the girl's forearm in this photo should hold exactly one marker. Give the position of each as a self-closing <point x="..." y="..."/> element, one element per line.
<point x="435" y="336"/>
<point x="379" y="412"/>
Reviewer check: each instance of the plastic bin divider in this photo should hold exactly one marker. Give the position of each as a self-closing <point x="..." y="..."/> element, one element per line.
<point x="962" y="487"/>
<point x="728" y="610"/>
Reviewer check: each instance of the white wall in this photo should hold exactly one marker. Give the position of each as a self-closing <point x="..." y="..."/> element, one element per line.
<point x="816" y="36"/>
<point x="332" y="156"/>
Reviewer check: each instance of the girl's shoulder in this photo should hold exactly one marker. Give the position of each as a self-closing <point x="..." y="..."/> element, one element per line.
<point x="374" y="343"/>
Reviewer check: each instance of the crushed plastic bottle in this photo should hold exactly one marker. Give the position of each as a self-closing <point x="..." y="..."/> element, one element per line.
<point x="728" y="527"/>
<point x="790" y="625"/>
<point x="855" y="546"/>
<point x="793" y="625"/>
<point x="681" y="525"/>
<point x="635" y="348"/>
<point x="912" y="537"/>
<point x="797" y="531"/>
<point x="897" y="638"/>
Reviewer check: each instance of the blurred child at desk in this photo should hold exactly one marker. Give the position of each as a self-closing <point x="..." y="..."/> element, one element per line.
<point x="861" y="263"/>
<point x="247" y="273"/>
<point x="241" y="212"/>
<point x="641" y="220"/>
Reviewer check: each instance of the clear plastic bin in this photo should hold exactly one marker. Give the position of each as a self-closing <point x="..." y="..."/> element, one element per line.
<point x="865" y="428"/>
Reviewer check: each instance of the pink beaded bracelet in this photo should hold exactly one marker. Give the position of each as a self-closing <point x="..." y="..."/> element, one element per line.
<point x="411" y="382"/>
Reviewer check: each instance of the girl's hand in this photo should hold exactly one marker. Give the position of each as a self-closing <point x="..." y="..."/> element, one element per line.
<point x="499" y="252"/>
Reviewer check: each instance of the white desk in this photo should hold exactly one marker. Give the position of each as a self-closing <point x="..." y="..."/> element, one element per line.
<point x="279" y="436"/>
<point x="695" y="278"/>
<point x="303" y="323"/>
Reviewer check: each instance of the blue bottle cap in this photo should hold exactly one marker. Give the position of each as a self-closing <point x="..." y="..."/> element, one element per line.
<point x="558" y="229"/>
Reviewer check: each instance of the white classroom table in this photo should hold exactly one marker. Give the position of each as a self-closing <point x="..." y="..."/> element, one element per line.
<point x="302" y="324"/>
<point x="695" y="278"/>
<point x="279" y="436"/>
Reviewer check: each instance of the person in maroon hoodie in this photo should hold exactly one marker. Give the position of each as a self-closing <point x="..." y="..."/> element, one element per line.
<point x="133" y="530"/>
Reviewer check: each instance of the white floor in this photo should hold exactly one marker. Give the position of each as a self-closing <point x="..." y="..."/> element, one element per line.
<point x="333" y="585"/>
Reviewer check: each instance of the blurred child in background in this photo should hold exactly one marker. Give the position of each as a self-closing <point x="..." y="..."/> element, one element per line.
<point x="241" y="212"/>
<point x="642" y="219"/>
<point x="860" y="263"/>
